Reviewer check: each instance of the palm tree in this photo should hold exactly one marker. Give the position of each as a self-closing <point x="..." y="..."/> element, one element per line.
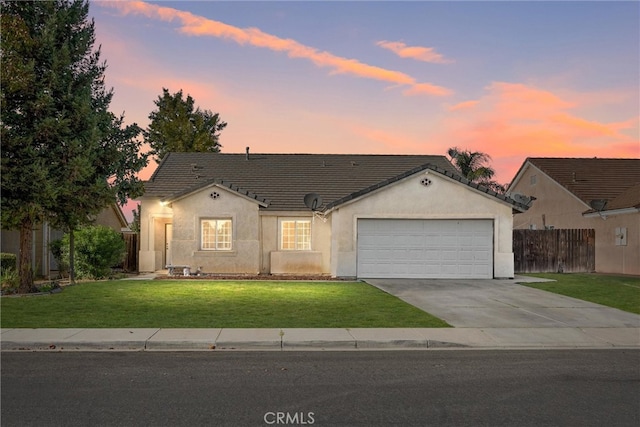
<point x="472" y="165"/>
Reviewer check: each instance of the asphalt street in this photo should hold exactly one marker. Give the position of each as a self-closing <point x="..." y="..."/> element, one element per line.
<point x="377" y="388"/>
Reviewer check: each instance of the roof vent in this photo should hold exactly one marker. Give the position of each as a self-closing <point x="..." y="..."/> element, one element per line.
<point x="195" y="168"/>
<point x="353" y="163"/>
<point x="425" y="181"/>
<point x="247" y="155"/>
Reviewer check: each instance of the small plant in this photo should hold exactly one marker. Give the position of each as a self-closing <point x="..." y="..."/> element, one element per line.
<point x="58" y="252"/>
<point x="8" y="261"/>
<point x="10" y="281"/>
<point x="48" y="287"/>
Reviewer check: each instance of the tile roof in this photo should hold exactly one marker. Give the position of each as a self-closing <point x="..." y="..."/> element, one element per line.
<point x="630" y="198"/>
<point x="280" y="181"/>
<point x="594" y="178"/>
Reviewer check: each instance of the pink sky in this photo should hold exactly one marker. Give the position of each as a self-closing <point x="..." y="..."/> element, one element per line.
<point x="382" y="78"/>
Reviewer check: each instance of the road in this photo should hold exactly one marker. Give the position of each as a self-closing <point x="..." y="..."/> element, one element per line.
<point x="403" y="388"/>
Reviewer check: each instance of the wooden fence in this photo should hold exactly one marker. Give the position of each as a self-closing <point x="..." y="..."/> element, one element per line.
<point x="552" y="251"/>
<point x="130" y="263"/>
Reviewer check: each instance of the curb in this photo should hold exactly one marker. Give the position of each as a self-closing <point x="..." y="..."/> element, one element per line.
<point x="299" y="339"/>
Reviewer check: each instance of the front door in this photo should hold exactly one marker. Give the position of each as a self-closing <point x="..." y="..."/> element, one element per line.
<point x="168" y="237"/>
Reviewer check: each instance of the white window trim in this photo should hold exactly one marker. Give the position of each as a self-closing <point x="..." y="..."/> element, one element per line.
<point x="215" y="249"/>
<point x="281" y="229"/>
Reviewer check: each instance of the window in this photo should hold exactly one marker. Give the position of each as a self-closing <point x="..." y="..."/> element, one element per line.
<point x="215" y="234"/>
<point x="295" y="235"/>
<point x="533" y="180"/>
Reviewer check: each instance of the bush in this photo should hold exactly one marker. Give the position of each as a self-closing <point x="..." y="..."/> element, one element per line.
<point x="10" y="281"/>
<point x="7" y="261"/>
<point x="97" y="249"/>
<point x="58" y="251"/>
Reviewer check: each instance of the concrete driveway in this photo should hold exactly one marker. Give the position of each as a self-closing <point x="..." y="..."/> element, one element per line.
<point x="503" y="304"/>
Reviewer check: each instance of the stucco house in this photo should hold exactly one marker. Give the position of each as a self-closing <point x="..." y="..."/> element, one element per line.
<point x="359" y="216"/>
<point x="600" y="194"/>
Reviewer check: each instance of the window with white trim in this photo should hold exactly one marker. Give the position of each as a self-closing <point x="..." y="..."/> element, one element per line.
<point x="295" y="235"/>
<point x="216" y="234"/>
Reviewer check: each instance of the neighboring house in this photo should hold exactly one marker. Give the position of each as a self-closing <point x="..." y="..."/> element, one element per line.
<point x="602" y="194"/>
<point x="44" y="264"/>
<point x="393" y="216"/>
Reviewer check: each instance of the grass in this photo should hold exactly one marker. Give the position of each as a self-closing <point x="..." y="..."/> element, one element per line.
<point x="622" y="292"/>
<point x="214" y="304"/>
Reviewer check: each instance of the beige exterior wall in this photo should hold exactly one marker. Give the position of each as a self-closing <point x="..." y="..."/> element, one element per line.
<point x="256" y="234"/>
<point x="255" y="247"/>
<point x="277" y="261"/>
<point x="442" y="199"/>
<point x="556" y="207"/>
<point x="109" y="218"/>
<point x="186" y="249"/>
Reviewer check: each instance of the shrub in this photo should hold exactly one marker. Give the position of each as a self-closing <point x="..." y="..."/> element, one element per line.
<point x="58" y="251"/>
<point x="7" y="261"/>
<point x="97" y="249"/>
<point x="10" y="281"/>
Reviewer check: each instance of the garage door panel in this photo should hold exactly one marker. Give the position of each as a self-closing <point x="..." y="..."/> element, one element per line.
<point x="425" y="248"/>
<point x="448" y="255"/>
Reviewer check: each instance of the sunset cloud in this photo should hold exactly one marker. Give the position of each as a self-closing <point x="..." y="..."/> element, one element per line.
<point x="465" y="105"/>
<point x="195" y="25"/>
<point x="419" y="53"/>
<point x="427" y="89"/>
<point x="512" y="121"/>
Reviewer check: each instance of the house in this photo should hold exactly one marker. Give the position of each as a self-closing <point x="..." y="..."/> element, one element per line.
<point x="44" y="264"/>
<point x="365" y="216"/>
<point x="599" y="194"/>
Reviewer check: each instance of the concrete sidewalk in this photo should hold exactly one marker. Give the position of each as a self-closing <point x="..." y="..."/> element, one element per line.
<point x="155" y="339"/>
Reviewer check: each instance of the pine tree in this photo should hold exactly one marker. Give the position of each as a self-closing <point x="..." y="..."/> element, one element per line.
<point x="176" y="126"/>
<point x="64" y="155"/>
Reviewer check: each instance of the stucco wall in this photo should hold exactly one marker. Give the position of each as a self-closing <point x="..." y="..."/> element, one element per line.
<point x="315" y="261"/>
<point x="109" y="218"/>
<point x="333" y="243"/>
<point x="555" y="206"/>
<point x="442" y="199"/>
<point x="255" y="236"/>
<point x="244" y="256"/>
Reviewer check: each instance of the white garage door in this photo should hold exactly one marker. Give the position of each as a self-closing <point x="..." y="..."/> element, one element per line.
<point x="412" y="248"/>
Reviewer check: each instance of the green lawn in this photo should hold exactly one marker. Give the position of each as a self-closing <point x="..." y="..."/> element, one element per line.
<point x="214" y="304"/>
<point x="622" y="292"/>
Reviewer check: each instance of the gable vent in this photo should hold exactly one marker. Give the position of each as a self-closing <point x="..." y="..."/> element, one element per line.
<point x="214" y="195"/>
<point x="425" y="181"/>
